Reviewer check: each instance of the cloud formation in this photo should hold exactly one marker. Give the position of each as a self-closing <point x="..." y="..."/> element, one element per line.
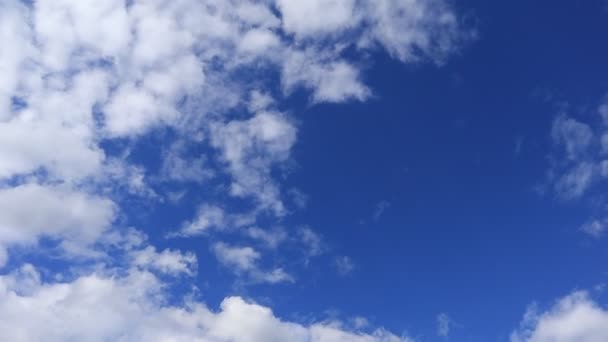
<point x="579" y="163"/>
<point x="106" y="307"/>
<point x="84" y="81"/>
<point x="575" y="317"/>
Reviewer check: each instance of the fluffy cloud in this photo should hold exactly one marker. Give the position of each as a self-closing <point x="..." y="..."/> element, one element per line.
<point x="575" y="317"/>
<point x="330" y="80"/>
<point x="30" y="212"/>
<point x="307" y="18"/>
<point x="167" y="261"/>
<point x="103" y="306"/>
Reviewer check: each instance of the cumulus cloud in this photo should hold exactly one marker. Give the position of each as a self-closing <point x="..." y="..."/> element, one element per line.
<point x="30" y="212"/>
<point x="102" y="306"/>
<point x="575" y="317"/>
<point x="307" y="18"/>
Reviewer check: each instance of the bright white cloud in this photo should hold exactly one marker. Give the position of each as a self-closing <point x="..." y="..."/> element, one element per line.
<point x="30" y="212"/>
<point x="26" y="147"/>
<point x="307" y="18"/>
<point x="573" y="318"/>
<point x="103" y="307"/>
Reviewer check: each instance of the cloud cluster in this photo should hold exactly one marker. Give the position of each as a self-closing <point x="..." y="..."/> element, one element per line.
<point x="575" y="317"/>
<point x="131" y="307"/>
<point x="581" y="161"/>
<point x="84" y="81"/>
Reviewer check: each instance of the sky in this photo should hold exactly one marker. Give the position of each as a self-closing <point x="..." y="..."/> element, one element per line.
<point x="315" y="171"/>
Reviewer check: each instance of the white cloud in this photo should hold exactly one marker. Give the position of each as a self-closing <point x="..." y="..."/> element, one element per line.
<point x="241" y="258"/>
<point x="30" y="212"/>
<point x="88" y="74"/>
<point x="167" y="261"/>
<point x="27" y="146"/>
<point x="14" y="32"/>
<point x="314" y="17"/>
<point x="102" y="307"/>
<point x="208" y="217"/>
<point x="244" y="262"/>
<point x="413" y="30"/>
<point x="573" y="318"/>
<point x="443" y="325"/>
<point x="271" y="238"/>
<point x="177" y="166"/>
<point x="257" y="41"/>
<point x="101" y="27"/>
<point x="329" y="79"/>
<point x="250" y="149"/>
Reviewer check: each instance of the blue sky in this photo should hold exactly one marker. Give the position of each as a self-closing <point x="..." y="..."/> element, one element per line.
<point x="323" y="170"/>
